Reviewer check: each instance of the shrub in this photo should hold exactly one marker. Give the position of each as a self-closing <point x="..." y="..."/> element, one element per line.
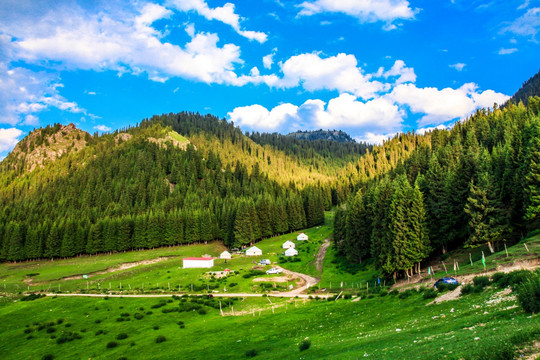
<point x="68" y="336"/>
<point x="347" y="296"/>
<point x="481" y="281"/>
<point x="201" y="311"/>
<point x="160" y="339"/>
<point x="156" y="327"/>
<point x="112" y="344"/>
<point x="442" y="287"/>
<point x="59" y="321"/>
<point x="251" y="353"/>
<point x="138" y="316"/>
<point x="47" y="357"/>
<point x="50" y="330"/>
<point x="121" y="336"/>
<point x="466" y="289"/>
<point x="28" y="331"/>
<point x="120" y="319"/>
<point x="149" y="313"/>
<point x="124" y="314"/>
<point x="122" y="358"/>
<point x="99" y="332"/>
<point x="394" y="292"/>
<point x="67" y="325"/>
<point x="304" y="345"/>
<point x="529" y="295"/>
<point x="429" y="294"/>
<point x="32" y="297"/>
<point x="98" y="321"/>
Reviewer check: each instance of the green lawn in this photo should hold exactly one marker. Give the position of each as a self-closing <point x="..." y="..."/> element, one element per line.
<point x="472" y="327"/>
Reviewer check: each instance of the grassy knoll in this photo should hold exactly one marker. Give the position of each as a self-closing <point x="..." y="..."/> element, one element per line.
<point x="476" y="326"/>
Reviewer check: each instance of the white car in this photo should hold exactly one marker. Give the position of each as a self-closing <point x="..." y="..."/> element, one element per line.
<point x="273" y="271"/>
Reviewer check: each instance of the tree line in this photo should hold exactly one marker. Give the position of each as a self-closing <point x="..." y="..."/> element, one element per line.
<point x="476" y="184"/>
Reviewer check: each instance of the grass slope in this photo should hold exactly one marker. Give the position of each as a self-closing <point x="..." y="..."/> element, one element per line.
<point x="386" y="327"/>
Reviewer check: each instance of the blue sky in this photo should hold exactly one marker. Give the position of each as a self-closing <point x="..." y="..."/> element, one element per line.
<point x="370" y="67"/>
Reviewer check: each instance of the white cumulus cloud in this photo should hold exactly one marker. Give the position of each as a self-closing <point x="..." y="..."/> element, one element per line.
<point x="504" y="51"/>
<point x="446" y="104"/>
<point x="102" y="128"/>
<point x="125" y="41"/>
<point x="9" y="138"/>
<point x="367" y="11"/>
<point x="226" y="14"/>
<point x="338" y="72"/>
<point x="343" y="111"/>
<point x="526" y="25"/>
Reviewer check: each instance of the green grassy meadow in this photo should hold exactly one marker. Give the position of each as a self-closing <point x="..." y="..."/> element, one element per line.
<point x="380" y="327"/>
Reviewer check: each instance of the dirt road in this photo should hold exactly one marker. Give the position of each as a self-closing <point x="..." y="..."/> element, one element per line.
<point x="320" y="256"/>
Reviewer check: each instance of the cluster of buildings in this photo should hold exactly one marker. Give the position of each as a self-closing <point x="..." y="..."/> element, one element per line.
<point x="208" y="262"/>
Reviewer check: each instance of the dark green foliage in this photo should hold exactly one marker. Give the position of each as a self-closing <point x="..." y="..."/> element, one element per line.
<point x="121" y="336"/>
<point x="32" y="297"/>
<point x="304" y="345"/>
<point x="138" y="316"/>
<point x="466" y="289"/>
<point x="112" y="344"/>
<point x="201" y="311"/>
<point x="251" y="353"/>
<point x="160" y="339"/>
<point x="47" y="357"/>
<point x="529" y="295"/>
<point x="68" y="336"/>
<point x="481" y="281"/>
<point x="430" y="294"/>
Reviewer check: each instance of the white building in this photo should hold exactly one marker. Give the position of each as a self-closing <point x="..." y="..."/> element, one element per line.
<point x="288" y="245"/>
<point x="198" y="262"/>
<point x="291" y="252"/>
<point x="253" y="251"/>
<point x="225" y="255"/>
<point x="302" y="237"/>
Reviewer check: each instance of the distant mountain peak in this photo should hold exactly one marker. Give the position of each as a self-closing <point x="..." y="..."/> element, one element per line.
<point x="329" y="135"/>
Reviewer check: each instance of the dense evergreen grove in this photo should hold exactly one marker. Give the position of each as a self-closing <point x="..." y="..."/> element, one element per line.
<point x="137" y="194"/>
<point x="476" y="184"/>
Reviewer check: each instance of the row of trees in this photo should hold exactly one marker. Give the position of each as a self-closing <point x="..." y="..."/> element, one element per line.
<point x="476" y="184"/>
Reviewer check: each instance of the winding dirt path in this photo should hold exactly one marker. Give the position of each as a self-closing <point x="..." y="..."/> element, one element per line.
<point x="320" y="256"/>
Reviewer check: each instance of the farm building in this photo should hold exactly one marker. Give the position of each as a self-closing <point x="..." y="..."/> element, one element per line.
<point x="291" y="252"/>
<point x="253" y="251"/>
<point x="198" y="262"/>
<point x="288" y="245"/>
<point x="302" y="237"/>
<point x="225" y="255"/>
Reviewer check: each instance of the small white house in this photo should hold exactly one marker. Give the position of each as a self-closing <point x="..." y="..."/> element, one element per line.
<point x="198" y="262"/>
<point x="225" y="255"/>
<point x="302" y="237"/>
<point x="253" y="251"/>
<point x="291" y="252"/>
<point x="288" y="245"/>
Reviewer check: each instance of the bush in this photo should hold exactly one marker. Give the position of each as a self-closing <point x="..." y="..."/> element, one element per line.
<point x="251" y="353"/>
<point x="68" y="336"/>
<point x="50" y="330"/>
<point x="138" y="316"/>
<point x="32" y="297"/>
<point x="121" y="336"/>
<point x="47" y="357"/>
<point x="481" y="281"/>
<point x="160" y="339"/>
<point x="99" y="332"/>
<point x="347" y="296"/>
<point x="466" y="289"/>
<point x="442" y="287"/>
<point x="156" y="327"/>
<point x="429" y="294"/>
<point x="201" y="311"/>
<point x="529" y="295"/>
<point x="98" y="321"/>
<point x="112" y="344"/>
<point x="304" y="345"/>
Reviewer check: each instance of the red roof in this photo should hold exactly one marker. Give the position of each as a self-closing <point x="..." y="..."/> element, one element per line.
<point x="199" y="258"/>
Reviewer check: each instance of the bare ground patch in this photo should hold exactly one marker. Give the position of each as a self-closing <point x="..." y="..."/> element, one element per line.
<point x="278" y="279"/>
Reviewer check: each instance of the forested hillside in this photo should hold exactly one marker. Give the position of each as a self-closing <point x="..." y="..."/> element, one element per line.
<point x="476" y="184"/>
<point x="529" y="88"/>
<point x="136" y="189"/>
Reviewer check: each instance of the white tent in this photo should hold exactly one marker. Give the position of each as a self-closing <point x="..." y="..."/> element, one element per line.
<point x="291" y="252"/>
<point x="253" y="251"/>
<point x="302" y="237"/>
<point x="225" y="255"/>
<point x="288" y="245"/>
<point x="194" y="262"/>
